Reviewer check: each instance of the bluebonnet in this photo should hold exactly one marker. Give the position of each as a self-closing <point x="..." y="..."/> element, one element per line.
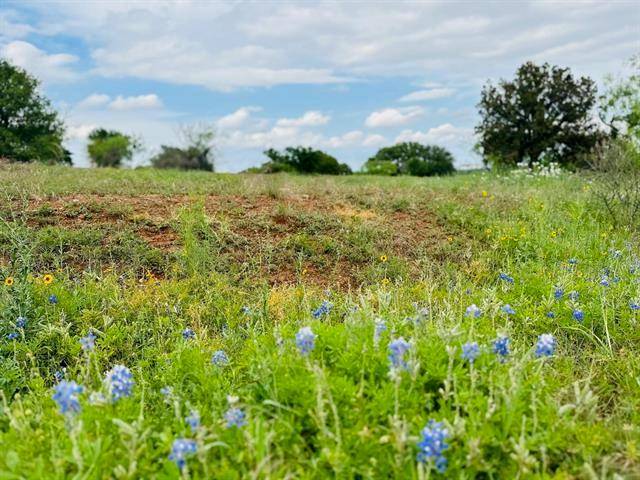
<point x="13" y="335"/>
<point x="219" y="358"/>
<point x="58" y="375"/>
<point x="65" y="394"/>
<point x="470" y="351"/>
<point x="397" y="351"/>
<point x="188" y="334"/>
<point x="508" y="309"/>
<point x="324" y="309"/>
<point x="21" y="322"/>
<point x="551" y="315"/>
<point x="193" y="420"/>
<point x="119" y="381"/>
<point x="574" y="296"/>
<point x="88" y="342"/>
<point x="573" y="261"/>
<point x="604" y="281"/>
<point x="546" y="345"/>
<point x="379" y="329"/>
<point x="246" y="310"/>
<point x="433" y="444"/>
<point x="506" y="278"/>
<point x="634" y="305"/>
<point x="166" y="391"/>
<point x="305" y="340"/>
<point x="578" y="315"/>
<point x="616" y="253"/>
<point x="473" y="311"/>
<point x="501" y="347"/>
<point x="235" y="417"/>
<point x="558" y="293"/>
<point x="53" y="299"/>
<point x="181" y="449"/>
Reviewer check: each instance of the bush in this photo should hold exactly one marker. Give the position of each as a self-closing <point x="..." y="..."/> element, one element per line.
<point x="109" y="148"/>
<point x="380" y="167"/>
<point x="30" y="129"/>
<point x="303" y="160"/>
<point x="413" y="158"/>
<point x="197" y="154"/>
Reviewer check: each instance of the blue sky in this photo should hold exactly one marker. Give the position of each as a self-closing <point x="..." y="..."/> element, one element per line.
<point x="346" y="77"/>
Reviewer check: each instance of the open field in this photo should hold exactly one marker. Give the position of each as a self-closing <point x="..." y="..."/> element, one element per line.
<point x="166" y="268"/>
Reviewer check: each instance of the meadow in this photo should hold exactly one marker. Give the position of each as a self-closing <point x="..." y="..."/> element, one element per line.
<point x="159" y="324"/>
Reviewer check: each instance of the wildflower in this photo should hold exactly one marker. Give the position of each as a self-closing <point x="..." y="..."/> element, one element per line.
<point x="383" y="258"/>
<point x="21" y="322"/>
<point x="397" y="350"/>
<point x="501" y="347"/>
<point x="59" y="375"/>
<point x="508" y="309"/>
<point x="432" y="445"/>
<point x="470" y="351"/>
<point x="379" y="329"/>
<point x="546" y="345"/>
<point x="119" y="381"/>
<point x="47" y="279"/>
<point x="66" y="396"/>
<point x="473" y="311"/>
<point x="573" y="261"/>
<point x="53" y="299"/>
<point x="166" y="391"/>
<point x="616" y="253"/>
<point x="558" y="293"/>
<point x="219" y="358"/>
<point x="574" y="296"/>
<point x="188" y="334"/>
<point x="246" y="310"/>
<point x="604" y="281"/>
<point x="88" y="342"/>
<point x="634" y="305"/>
<point x="551" y="315"/>
<point x="485" y="194"/>
<point x="193" y="420"/>
<point x="305" y="340"/>
<point x="506" y="278"/>
<point x="324" y="309"/>
<point x="235" y="417"/>
<point x="180" y="450"/>
<point x="13" y="335"/>
<point x="8" y="281"/>
<point x="578" y="315"/>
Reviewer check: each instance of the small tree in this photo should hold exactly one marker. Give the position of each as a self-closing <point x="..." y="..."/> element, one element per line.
<point x="197" y="154"/>
<point x="30" y="129"/>
<point x="304" y="160"/>
<point x="413" y="158"/>
<point x="109" y="148"/>
<point x="544" y="113"/>
<point x="380" y="167"/>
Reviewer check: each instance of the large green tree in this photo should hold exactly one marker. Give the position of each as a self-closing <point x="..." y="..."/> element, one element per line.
<point x="109" y="148"/>
<point x="30" y="130"/>
<point x="303" y="160"/>
<point x="544" y="113"/>
<point x="413" y="158"/>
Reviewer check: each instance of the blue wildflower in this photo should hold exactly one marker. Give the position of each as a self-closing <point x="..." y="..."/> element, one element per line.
<point x="305" y="340"/>
<point x="66" y="396"/>
<point x="506" y="278"/>
<point x="21" y="322"/>
<point x="470" y="351"/>
<point x="573" y="261"/>
<point x="558" y="293"/>
<point x="219" y="358"/>
<point x="188" y="334"/>
<point x="546" y="345"/>
<point x="634" y="305"/>
<point x="433" y="444"/>
<point x="119" y="381"/>
<point x="58" y="375"/>
<point x="180" y="450"/>
<point x="246" y="310"/>
<point x="501" y="347"/>
<point x="88" y="342"/>
<point x="574" y="296"/>
<point x="324" y="309"/>
<point x="616" y="253"/>
<point x="551" y="315"/>
<point x="604" y="281"/>
<point x="13" y="336"/>
<point x="380" y="328"/>
<point x="53" y="299"/>
<point x="473" y="311"/>
<point x="166" y="391"/>
<point x="193" y="420"/>
<point x="235" y="417"/>
<point x="508" y="309"/>
<point x="578" y="315"/>
<point x="397" y="351"/>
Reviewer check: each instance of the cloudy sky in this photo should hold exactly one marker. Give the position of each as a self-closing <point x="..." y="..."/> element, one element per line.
<point x="347" y="77"/>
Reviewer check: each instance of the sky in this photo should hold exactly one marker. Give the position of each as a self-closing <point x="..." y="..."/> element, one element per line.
<point x="347" y="77"/>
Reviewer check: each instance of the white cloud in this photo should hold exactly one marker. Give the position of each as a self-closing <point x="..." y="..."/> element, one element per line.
<point x="237" y="118"/>
<point x="443" y="134"/>
<point x="79" y="132"/>
<point x="53" y="68"/>
<point x="393" y="117"/>
<point x="349" y="139"/>
<point x="431" y="94"/>
<point x="308" y="119"/>
<point x="373" y="140"/>
<point x="136" y="103"/>
<point x="94" y="100"/>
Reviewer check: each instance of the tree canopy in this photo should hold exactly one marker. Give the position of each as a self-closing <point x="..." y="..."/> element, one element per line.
<point x="413" y="158"/>
<point x="30" y="130"/>
<point x="198" y="152"/>
<point x="303" y="160"/>
<point x="109" y="148"/>
<point x="544" y="113"/>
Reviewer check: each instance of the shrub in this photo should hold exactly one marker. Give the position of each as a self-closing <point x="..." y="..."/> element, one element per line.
<point x="109" y="148"/>
<point x="197" y="154"/>
<point x="303" y="160"/>
<point x="416" y="159"/>
<point x="380" y="167"/>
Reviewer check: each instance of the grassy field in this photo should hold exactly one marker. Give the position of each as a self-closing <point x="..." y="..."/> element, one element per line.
<point x="154" y="325"/>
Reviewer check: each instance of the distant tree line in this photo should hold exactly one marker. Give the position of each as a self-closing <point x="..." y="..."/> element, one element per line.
<point x="544" y="114"/>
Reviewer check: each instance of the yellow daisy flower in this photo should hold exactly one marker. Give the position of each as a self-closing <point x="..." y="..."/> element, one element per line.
<point x="383" y="258"/>
<point x="47" y="279"/>
<point x="8" y="281"/>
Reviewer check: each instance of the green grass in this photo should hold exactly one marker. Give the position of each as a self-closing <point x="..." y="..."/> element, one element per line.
<point x="138" y="256"/>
